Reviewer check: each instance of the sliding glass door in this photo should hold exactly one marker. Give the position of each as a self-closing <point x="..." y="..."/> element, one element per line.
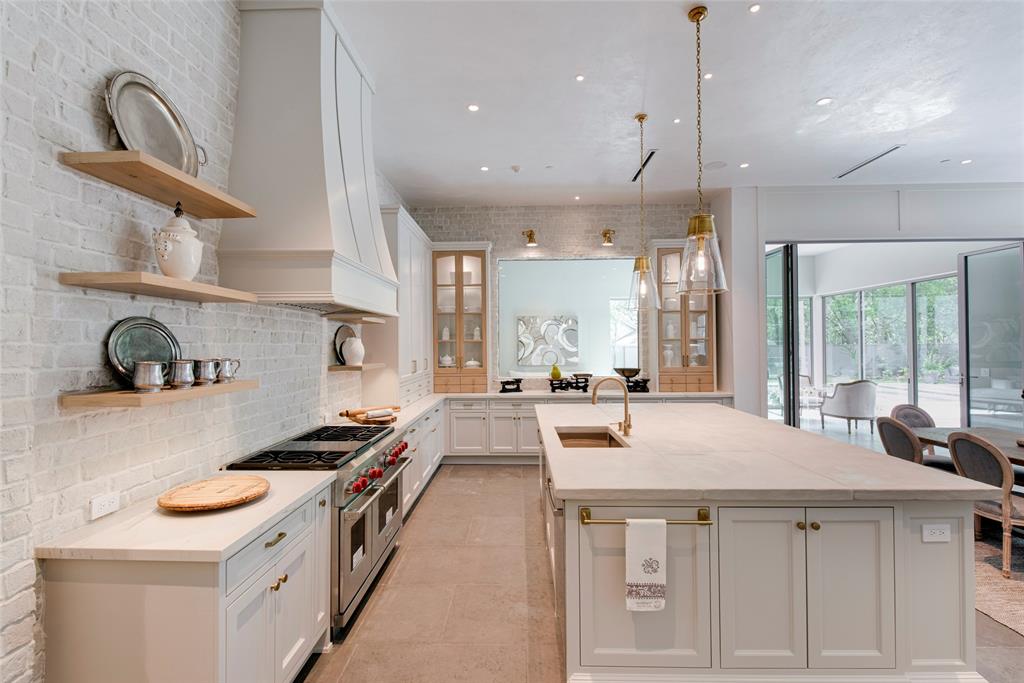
<point x="886" y="345"/>
<point x="937" y="340"/>
<point x="991" y="315"/>
<point x="781" y="333"/>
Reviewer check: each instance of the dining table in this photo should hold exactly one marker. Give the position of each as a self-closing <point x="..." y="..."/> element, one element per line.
<point x="1009" y="442"/>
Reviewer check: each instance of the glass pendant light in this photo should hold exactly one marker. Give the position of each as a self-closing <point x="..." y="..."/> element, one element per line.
<point x="643" y="289"/>
<point x="702" y="269"/>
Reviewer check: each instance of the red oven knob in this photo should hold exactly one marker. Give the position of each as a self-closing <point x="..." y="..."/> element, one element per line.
<point x="392" y="460"/>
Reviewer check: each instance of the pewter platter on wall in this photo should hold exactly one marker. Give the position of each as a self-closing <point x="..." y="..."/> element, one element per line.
<point x="138" y="338"/>
<point x="148" y="121"/>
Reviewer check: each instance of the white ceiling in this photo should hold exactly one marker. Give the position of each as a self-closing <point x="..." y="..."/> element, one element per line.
<point x="944" y="78"/>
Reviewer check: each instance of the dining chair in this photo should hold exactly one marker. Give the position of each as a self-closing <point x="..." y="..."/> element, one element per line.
<point x="915" y="418"/>
<point x="980" y="460"/>
<point x="899" y="441"/>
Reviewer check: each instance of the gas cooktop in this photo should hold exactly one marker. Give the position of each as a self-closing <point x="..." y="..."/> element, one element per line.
<point x="325" y="448"/>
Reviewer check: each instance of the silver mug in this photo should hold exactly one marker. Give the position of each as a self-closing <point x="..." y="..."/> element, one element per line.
<point x="207" y="370"/>
<point x="228" y="368"/>
<point x="182" y="374"/>
<point x="149" y="375"/>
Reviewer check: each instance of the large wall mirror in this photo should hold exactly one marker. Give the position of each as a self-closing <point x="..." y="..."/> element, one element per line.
<point x="569" y="312"/>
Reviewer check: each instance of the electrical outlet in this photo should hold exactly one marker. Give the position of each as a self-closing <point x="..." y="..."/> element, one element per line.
<point x="936" y="533"/>
<point x="103" y="505"/>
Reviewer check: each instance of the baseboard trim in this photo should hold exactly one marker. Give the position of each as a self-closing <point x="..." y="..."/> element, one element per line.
<point x="808" y="677"/>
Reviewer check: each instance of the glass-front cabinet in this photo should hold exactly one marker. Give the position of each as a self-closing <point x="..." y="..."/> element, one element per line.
<point x="686" y="331"/>
<point x="460" y="321"/>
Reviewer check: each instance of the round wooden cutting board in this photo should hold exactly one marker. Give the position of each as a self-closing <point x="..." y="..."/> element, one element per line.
<point x="214" y="493"/>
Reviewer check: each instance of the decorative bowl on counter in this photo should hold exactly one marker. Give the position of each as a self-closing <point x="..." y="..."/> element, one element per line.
<point x="628" y="373"/>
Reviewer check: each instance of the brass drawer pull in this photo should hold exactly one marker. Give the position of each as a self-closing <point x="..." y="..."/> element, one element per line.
<point x="703" y="519"/>
<point x="815" y="526"/>
<point x="283" y="579"/>
<point x="801" y="526"/>
<point x="323" y="502"/>
<point x="276" y="586"/>
<point x="280" y="537"/>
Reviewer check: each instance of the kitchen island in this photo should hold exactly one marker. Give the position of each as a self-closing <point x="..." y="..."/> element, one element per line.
<point x="799" y="558"/>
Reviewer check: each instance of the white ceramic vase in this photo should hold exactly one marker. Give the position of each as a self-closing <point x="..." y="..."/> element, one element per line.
<point x="352" y="351"/>
<point x="668" y="356"/>
<point x="179" y="252"/>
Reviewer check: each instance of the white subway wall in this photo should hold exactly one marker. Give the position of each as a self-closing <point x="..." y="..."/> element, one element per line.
<point x="56" y="58"/>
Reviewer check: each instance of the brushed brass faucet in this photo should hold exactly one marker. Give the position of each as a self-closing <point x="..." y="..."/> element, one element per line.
<point x="626" y="426"/>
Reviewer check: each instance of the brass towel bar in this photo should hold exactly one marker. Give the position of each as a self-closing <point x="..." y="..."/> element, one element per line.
<point x="703" y="519"/>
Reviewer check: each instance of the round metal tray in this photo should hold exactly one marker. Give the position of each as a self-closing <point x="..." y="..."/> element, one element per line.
<point x="139" y="338"/>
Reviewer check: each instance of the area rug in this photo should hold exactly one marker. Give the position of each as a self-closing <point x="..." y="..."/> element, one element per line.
<point x="998" y="597"/>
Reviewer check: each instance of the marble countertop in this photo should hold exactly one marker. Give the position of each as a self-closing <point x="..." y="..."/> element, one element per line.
<point x="711" y="452"/>
<point x="607" y="391"/>
<point x="146" y="532"/>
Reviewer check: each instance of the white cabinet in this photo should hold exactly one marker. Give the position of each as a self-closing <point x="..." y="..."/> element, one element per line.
<point x="293" y="601"/>
<point x="467" y="432"/>
<point x="403" y="344"/>
<point x="322" y="560"/>
<point x="250" y="633"/>
<point x="678" y="636"/>
<point x="807" y="587"/>
<point x="762" y="587"/>
<point x="527" y="438"/>
<point x="503" y="433"/>
<point x="850" y="595"/>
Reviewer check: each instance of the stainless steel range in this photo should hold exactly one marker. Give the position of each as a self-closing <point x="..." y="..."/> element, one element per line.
<point x="367" y="500"/>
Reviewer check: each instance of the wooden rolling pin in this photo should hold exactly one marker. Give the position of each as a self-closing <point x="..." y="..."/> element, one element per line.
<point x="362" y="411"/>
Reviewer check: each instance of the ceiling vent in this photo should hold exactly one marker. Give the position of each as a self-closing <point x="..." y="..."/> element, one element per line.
<point x="647" y="160"/>
<point x="868" y="161"/>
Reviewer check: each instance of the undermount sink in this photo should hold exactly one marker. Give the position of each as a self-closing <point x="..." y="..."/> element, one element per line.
<point x="589" y="437"/>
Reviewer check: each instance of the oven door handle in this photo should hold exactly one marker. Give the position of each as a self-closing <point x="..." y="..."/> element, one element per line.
<point x="397" y="470"/>
<point x="352" y="515"/>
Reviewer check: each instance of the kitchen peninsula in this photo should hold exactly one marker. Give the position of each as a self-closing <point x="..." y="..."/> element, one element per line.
<point x="798" y="558"/>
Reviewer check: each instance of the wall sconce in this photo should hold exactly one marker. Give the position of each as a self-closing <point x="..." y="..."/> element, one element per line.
<point x="606" y="237"/>
<point x="531" y="237"/>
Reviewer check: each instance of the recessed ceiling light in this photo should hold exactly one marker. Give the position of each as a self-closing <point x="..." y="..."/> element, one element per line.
<point x="944" y="161"/>
<point x="744" y="165"/>
<point x="577" y="197"/>
<point x="708" y="76"/>
<point x="824" y="102"/>
<point x="754" y="9"/>
<point x="579" y="77"/>
<point x="967" y="161"/>
<point x="549" y="166"/>
<point x="676" y="120"/>
<point x="714" y="165"/>
<point x="473" y="107"/>
<point x="484" y="168"/>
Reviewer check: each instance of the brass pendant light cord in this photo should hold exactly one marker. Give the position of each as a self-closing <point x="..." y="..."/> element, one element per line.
<point x="643" y="208"/>
<point x="700" y="164"/>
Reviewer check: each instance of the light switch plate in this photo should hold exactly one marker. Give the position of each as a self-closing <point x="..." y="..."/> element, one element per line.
<point x="104" y="504"/>
<point x="936" y="533"/>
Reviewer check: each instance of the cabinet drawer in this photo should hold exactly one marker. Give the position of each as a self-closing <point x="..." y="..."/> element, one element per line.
<point x="514" y="404"/>
<point x="467" y="405"/>
<point x="269" y="545"/>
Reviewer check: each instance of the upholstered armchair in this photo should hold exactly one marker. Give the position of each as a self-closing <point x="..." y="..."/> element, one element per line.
<point x="851" y="401"/>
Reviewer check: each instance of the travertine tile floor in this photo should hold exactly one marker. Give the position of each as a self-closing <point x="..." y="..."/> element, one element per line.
<point x="467" y="595"/>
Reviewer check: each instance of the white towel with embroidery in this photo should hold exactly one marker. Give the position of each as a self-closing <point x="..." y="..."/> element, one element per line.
<point x="645" y="565"/>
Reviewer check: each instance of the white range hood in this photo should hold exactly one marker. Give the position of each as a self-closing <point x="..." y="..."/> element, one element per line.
<point x="303" y="157"/>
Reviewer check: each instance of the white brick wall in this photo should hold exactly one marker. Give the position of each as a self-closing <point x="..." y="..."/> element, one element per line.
<point x="56" y="58"/>
<point x="562" y="232"/>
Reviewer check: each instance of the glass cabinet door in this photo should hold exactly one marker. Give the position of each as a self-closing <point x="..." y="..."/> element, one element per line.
<point x="446" y="331"/>
<point x="671" y="330"/>
<point x="697" y="328"/>
<point x="471" y="271"/>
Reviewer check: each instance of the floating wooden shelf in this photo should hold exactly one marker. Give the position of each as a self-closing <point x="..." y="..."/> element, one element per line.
<point x="145" y="174"/>
<point x="355" y="368"/>
<point x="356" y="318"/>
<point x="154" y="284"/>
<point x="126" y="398"/>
